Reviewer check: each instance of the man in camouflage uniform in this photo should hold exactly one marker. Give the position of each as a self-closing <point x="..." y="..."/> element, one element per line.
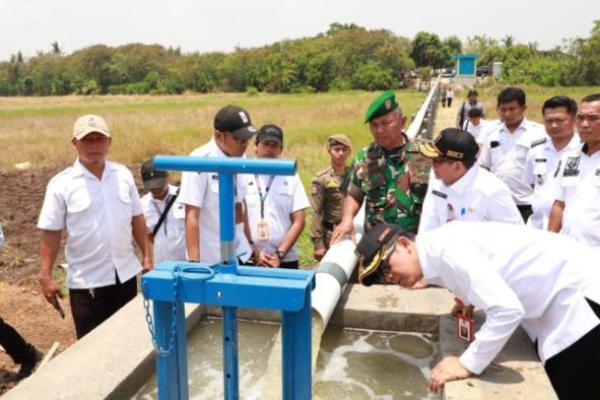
<point x="380" y="174"/>
<point x="327" y="194"/>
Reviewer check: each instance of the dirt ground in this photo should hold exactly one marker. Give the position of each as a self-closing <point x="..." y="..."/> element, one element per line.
<point x="21" y="302"/>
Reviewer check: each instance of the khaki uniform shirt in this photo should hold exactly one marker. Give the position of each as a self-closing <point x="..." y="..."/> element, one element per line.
<point x="327" y="198"/>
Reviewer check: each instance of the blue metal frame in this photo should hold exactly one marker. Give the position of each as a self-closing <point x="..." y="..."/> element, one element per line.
<point x="250" y="287"/>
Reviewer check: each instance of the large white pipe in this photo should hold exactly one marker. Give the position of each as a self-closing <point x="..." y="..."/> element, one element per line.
<point x="333" y="272"/>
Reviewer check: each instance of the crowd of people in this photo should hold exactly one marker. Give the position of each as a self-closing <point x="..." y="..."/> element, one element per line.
<point x="510" y="178"/>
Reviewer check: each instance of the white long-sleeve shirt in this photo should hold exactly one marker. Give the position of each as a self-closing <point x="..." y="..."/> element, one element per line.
<point x="515" y="275"/>
<point x="541" y="173"/>
<point x="504" y="154"/>
<point x="476" y="196"/>
<point x="579" y="189"/>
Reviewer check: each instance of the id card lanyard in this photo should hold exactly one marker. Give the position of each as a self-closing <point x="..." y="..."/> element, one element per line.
<point x="262" y="226"/>
<point x="263" y="196"/>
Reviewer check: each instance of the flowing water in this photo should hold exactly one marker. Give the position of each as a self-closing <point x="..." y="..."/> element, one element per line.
<point x="351" y="363"/>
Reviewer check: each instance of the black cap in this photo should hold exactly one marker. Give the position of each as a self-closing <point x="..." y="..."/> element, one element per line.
<point x="475" y="112"/>
<point x="451" y="143"/>
<point x="372" y="249"/>
<point x="152" y="177"/>
<point x="235" y="120"/>
<point x="270" y="132"/>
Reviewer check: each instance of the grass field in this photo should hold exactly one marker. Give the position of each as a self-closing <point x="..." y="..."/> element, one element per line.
<point x="38" y="130"/>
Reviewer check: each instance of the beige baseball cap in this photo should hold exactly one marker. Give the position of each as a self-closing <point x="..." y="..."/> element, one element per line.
<point x="88" y="124"/>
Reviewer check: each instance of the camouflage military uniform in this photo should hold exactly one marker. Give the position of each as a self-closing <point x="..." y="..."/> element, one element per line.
<point x="383" y="178"/>
<point x="327" y="198"/>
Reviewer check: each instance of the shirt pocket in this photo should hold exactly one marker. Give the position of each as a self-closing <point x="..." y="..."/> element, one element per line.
<point x="122" y="204"/>
<point x="540" y="169"/>
<point x="178" y="210"/>
<point x="78" y="199"/>
<point x="212" y="192"/>
<point x="282" y="197"/>
<point x="80" y="218"/>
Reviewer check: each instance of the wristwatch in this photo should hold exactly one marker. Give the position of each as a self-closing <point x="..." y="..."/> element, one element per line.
<point x="280" y="253"/>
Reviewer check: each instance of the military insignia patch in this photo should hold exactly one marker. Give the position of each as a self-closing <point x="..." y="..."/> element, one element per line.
<point x="388" y="104"/>
<point x="315" y="189"/>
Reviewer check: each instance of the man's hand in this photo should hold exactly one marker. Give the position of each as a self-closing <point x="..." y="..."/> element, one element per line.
<point x="148" y="264"/>
<point x="319" y="253"/>
<point x="460" y="309"/>
<point x="343" y="229"/>
<point x="447" y="370"/>
<point x="50" y="290"/>
<point x="272" y="261"/>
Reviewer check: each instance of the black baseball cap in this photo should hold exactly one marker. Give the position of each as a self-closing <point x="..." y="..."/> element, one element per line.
<point x="270" y="132"/>
<point x="235" y="120"/>
<point x="152" y="177"/>
<point x="451" y="143"/>
<point x="373" y="250"/>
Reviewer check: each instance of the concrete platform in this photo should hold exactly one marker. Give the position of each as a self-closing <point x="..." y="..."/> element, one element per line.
<point x="114" y="360"/>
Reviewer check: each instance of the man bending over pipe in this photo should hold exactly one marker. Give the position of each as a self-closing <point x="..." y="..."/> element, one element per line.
<point x="544" y="281"/>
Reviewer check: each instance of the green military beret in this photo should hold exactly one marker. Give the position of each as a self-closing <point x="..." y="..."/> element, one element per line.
<point x="381" y="106"/>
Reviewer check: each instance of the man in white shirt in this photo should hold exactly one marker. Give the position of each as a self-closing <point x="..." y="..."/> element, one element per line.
<point x="516" y="275"/>
<point x="476" y="125"/>
<point x="576" y="211"/>
<point x="276" y="207"/>
<point x="542" y="160"/>
<point x="166" y="233"/>
<point x="507" y="144"/>
<point x="96" y="200"/>
<point x="200" y="190"/>
<point x="461" y="189"/>
<point x="472" y="102"/>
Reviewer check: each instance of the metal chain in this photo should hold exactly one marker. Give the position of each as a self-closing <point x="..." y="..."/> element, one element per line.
<point x="159" y="350"/>
<point x="209" y="271"/>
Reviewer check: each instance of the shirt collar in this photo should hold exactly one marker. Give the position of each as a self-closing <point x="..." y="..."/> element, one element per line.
<point x="465" y="181"/>
<point x="79" y="170"/>
<point x="522" y="126"/>
<point x="574" y="144"/>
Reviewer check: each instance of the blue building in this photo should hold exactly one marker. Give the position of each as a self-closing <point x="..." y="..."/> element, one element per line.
<point x="466" y="68"/>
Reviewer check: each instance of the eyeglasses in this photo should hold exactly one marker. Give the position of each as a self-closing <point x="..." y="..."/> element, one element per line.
<point x="591" y="118"/>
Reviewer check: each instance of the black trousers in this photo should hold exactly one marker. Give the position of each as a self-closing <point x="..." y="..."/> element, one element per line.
<point x="575" y="371"/>
<point x="91" y="307"/>
<point x="14" y="344"/>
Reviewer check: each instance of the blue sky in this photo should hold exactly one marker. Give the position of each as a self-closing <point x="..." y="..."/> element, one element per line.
<point x="200" y="25"/>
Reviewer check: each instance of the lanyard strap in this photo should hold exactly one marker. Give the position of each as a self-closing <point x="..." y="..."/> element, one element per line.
<point x="262" y="196"/>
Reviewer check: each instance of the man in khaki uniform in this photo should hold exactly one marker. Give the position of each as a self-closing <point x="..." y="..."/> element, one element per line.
<point x="327" y="194"/>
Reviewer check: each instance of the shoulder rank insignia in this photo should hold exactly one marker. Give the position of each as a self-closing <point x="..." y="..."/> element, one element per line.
<point x="440" y="194"/>
<point x="538" y="142"/>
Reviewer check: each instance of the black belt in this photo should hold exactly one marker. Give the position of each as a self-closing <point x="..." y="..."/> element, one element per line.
<point x="328" y="225"/>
